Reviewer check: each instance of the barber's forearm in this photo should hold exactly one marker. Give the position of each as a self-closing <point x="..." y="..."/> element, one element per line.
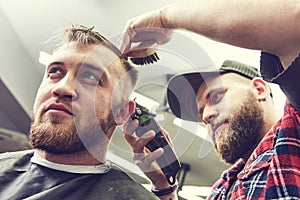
<point x="271" y="25"/>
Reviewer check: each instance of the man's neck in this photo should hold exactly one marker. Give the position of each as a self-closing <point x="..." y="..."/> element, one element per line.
<point x="78" y="158"/>
<point x="264" y="130"/>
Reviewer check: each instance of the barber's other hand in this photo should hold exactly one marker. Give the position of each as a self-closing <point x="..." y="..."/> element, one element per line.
<point x="142" y="157"/>
<point x="143" y="34"/>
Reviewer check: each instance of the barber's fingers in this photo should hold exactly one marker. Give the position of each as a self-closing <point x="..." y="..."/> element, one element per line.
<point x="155" y="34"/>
<point x="130" y="127"/>
<point x="146" y="27"/>
<point x="167" y="136"/>
<point x="142" y="49"/>
<point x="124" y="42"/>
<point x="143" y="38"/>
<point x="143" y="23"/>
<point x="137" y="143"/>
<point x="142" y="156"/>
<point x="140" y="144"/>
<point x="147" y="161"/>
<point x="129" y="132"/>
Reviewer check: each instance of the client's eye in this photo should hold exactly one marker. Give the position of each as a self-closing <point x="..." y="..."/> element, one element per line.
<point x="55" y="72"/>
<point x="91" y="79"/>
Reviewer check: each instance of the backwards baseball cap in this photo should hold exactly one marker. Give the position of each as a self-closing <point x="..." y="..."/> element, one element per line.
<point x="182" y="89"/>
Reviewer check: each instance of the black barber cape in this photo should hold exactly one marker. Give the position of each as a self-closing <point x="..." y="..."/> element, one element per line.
<point x="22" y="179"/>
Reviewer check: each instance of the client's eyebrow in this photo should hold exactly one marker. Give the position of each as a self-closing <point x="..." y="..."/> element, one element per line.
<point x="98" y="69"/>
<point x="55" y="63"/>
<point x="92" y="67"/>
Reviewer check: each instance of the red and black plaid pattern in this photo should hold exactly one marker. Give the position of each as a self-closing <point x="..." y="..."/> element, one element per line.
<point x="273" y="170"/>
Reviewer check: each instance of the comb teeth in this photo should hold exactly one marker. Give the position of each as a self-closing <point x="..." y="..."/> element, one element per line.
<point x="145" y="60"/>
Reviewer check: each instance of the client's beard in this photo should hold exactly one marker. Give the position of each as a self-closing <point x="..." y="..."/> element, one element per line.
<point x="55" y="138"/>
<point x="244" y="131"/>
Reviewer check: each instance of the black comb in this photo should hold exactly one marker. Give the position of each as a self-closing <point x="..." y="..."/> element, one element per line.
<point x="145" y="60"/>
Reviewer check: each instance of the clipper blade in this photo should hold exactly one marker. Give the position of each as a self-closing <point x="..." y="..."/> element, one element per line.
<point x="145" y="60"/>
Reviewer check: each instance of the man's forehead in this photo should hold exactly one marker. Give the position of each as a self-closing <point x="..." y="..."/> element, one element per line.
<point x="223" y="78"/>
<point x="98" y="55"/>
<point x="100" y="49"/>
<point x="210" y="81"/>
<point x="221" y="81"/>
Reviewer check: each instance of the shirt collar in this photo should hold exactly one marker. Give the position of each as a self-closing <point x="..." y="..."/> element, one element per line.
<point x="79" y="169"/>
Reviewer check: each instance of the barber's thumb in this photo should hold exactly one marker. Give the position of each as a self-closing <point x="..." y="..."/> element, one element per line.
<point x="148" y="135"/>
<point x="124" y="43"/>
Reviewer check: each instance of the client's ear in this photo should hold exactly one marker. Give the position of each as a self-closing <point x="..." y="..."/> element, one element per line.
<point x="124" y="111"/>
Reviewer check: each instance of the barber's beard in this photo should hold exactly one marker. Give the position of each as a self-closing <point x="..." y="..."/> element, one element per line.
<point x="56" y="137"/>
<point x="243" y="133"/>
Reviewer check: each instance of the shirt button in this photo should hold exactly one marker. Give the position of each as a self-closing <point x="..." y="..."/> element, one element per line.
<point x="246" y="169"/>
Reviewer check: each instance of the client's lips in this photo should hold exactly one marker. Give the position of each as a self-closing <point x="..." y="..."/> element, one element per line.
<point x="59" y="107"/>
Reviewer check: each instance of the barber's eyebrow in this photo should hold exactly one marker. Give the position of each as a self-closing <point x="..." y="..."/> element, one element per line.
<point x="213" y="90"/>
<point x="210" y="92"/>
<point x="207" y="96"/>
<point x="206" y="99"/>
<point x="200" y="110"/>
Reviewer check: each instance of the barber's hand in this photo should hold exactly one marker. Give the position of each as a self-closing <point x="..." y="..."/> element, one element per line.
<point x="143" y="34"/>
<point x="142" y="157"/>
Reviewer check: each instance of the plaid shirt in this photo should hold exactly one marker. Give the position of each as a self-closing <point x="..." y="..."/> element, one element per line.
<point x="273" y="169"/>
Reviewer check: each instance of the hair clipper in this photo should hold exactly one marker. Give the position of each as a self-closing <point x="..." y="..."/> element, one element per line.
<point x="168" y="162"/>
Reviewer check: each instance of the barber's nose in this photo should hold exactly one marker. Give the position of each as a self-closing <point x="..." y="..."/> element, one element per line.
<point x="209" y="114"/>
<point x="65" y="88"/>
